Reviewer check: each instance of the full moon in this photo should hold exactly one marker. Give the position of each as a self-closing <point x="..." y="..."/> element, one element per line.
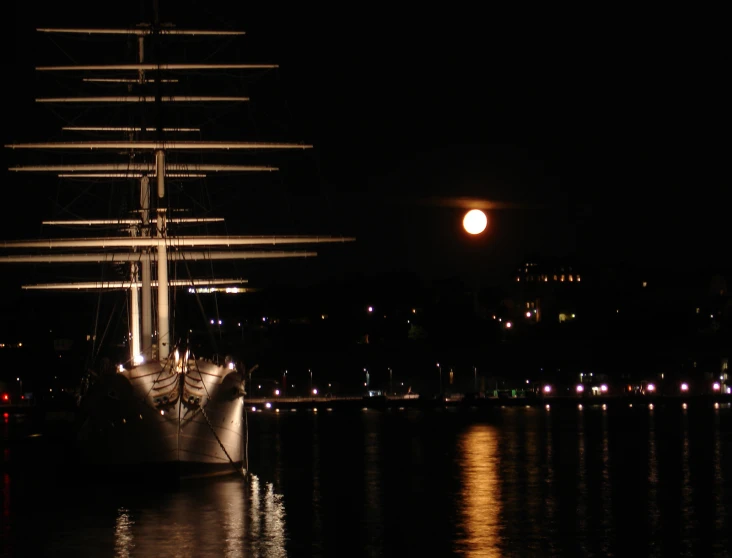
<point x="475" y="221"/>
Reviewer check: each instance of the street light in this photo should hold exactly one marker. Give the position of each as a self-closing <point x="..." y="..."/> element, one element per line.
<point x="475" y="376"/>
<point x="311" y="379"/>
<point x="391" y="385"/>
<point x="439" y="370"/>
<point x="21" y="385"/>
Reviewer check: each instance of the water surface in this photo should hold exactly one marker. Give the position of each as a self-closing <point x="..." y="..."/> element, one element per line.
<point x="502" y="482"/>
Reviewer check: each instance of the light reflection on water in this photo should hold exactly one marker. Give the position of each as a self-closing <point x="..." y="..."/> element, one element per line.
<point x="688" y="517"/>
<point x="719" y="480"/>
<point x="478" y="450"/>
<point x="372" y="486"/>
<point x="510" y="482"/>
<point x="654" y="513"/>
<point x="606" y="486"/>
<point x="123" y="541"/>
<point x="581" y="485"/>
<point x="546" y="494"/>
<point x="211" y="522"/>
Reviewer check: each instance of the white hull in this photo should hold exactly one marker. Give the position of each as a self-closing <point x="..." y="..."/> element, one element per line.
<point x="152" y="415"/>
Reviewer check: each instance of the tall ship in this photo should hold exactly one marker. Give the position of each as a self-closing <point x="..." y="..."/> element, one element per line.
<point x="163" y="404"/>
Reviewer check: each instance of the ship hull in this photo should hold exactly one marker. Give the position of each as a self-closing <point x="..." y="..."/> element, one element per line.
<point x="191" y="423"/>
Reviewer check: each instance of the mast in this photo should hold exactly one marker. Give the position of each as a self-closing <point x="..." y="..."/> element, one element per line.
<point x="136" y="355"/>
<point x="163" y="310"/>
<point x="146" y="271"/>
<point x="140" y="316"/>
<point x="144" y="243"/>
<point x="160" y="224"/>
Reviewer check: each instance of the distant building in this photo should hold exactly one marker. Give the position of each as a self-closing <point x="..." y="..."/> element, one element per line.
<point x="544" y="290"/>
<point x="533" y="272"/>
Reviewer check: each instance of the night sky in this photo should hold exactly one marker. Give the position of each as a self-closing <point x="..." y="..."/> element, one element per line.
<point x="598" y="126"/>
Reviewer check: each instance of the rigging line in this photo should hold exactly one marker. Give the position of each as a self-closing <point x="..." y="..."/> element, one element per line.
<point x="224" y="43"/>
<point x="106" y="329"/>
<point x="65" y="209"/>
<point x="200" y="306"/>
<point x="63" y="51"/>
<point x="96" y="348"/>
<point x="155" y="381"/>
<point x="182" y="191"/>
<point x="94" y="330"/>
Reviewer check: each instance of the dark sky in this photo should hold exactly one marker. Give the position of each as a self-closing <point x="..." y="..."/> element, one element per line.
<point x="600" y="126"/>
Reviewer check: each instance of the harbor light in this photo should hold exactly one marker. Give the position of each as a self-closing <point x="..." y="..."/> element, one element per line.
<point x="603" y="388"/>
<point x="315" y="391"/>
<point x="547" y="389"/>
<point x="580" y="388"/>
<point x="716" y="386"/>
<point x="277" y="392"/>
<point x="651" y="387"/>
<point x="684" y="386"/>
<point x="268" y="405"/>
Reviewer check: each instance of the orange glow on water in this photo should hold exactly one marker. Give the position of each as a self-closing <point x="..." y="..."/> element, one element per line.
<point x="481" y="491"/>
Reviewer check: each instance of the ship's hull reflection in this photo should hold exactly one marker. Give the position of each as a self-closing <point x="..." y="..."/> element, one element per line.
<point x="224" y="517"/>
